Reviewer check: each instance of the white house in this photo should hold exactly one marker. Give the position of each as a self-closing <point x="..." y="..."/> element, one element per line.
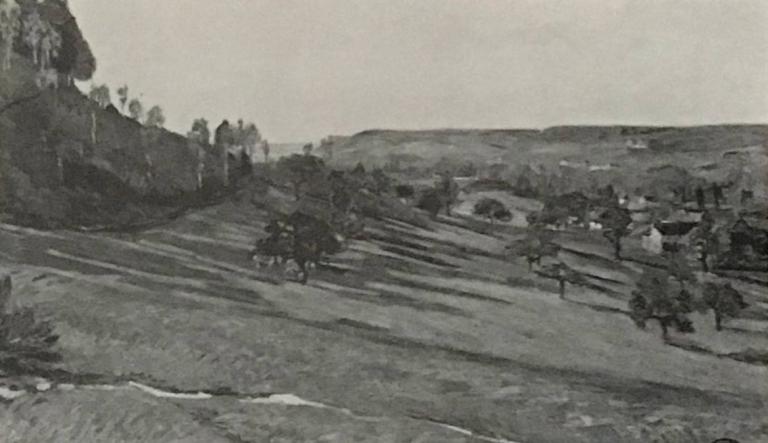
<point x="636" y="144"/>
<point x="653" y="240"/>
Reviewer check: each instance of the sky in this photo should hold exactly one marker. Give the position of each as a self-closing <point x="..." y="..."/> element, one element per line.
<point x="305" y="69"/>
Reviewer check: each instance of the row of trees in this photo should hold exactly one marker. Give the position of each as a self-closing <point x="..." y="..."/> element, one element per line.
<point x="663" y="294"/>
<point x="575" y="207"/>
<point x="655" y="298"/>
<point x="40" y="37"/>
<point x="101" y="95"/>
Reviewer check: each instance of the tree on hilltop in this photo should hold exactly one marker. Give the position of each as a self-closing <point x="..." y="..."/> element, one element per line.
<point x="155" y="117"/>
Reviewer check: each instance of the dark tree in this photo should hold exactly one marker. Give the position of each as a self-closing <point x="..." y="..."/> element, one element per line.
<point x="700" y="200"/>
<point x="301" y="237"/>
<point x="200" y="132"/>
<point x="379" y="183"/>
<point x="449" y="192"/>
<point x="563" y="274"/>
<point x="404" y="191"/>
<point x="26" y="343"/>
<point x="679" y="269"/>
<point x="155" y="117"/>
<point x="313" y="240"/>
<point x="717" y="194"/>
<point x="278" y="245"/>
<point x="492" y="209"/>
<point x="706" y="240"/>
<point x="246" y="166"/>
<point x="341" y="192"/>
<point x="524" y="187"/>
<point x="300" y="170"/>
<point x="559" y="209"/>
<point x="431" y="201"/>
<point x="723" y="300"/>
<point x="224" y="134"/>
<point x="539" y="243"/>
<point x="655" y="300"/>
<point x="122" y="94"/>
<point x="615" y="221"/>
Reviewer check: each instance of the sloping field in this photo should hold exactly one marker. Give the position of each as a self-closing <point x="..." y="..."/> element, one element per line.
<point x="412" y="335"/>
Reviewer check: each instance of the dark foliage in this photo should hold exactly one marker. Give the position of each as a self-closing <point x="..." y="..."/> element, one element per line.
<point x="301" y="171"/>
<point x="492" y="209"/>
<point x="431" y="201"/>
<point x="405" y="191"/>
<point x="300" y="237"/>
<point x="723" y="300"/>
<point x="615" y="221"/>
<point x="654" y="299"/>
<point x="26" y="342"/>
<point x="563" y="274"/>
<point x="539" y="243"/>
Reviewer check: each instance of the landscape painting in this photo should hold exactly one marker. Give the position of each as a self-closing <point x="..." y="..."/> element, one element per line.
<point x="432" y="221"/>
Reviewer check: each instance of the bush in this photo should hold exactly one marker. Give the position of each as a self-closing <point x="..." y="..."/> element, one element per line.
<point x="431" y="201"/>
<point x="492" y="209"/>
<point x="26" y="343"/>
<point x="404" y="191"/>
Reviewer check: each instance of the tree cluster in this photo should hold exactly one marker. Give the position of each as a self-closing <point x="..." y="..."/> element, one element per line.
<point x="492" y="209"/>
<point x="303" y="238"/>
<point x="656" y="299"/>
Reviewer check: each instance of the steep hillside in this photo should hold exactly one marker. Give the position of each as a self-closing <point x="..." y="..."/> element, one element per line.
<point x="67" y="162"/>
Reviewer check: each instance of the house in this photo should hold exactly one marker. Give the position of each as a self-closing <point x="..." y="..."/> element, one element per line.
<point x="653" y="240"/>
<point x="674" y="234"/>
<point x="670" y="234"/>
<point x="603" y="167"/>
<point x="636" y="144"/>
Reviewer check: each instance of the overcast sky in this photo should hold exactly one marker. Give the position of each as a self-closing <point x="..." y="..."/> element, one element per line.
<point x="305" y="69"/>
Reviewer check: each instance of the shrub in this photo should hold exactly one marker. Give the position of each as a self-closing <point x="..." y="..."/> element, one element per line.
<point x="723" y="300"/>
<point x="26" y="343"/>
<point x="492" y="209"/>
<point x="431" y="201"/>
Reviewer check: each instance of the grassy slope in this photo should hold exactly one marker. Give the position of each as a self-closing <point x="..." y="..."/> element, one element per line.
<point x="396" y="338"/>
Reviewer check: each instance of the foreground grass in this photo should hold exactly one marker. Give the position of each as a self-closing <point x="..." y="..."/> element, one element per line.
<point x="394" y="337"/>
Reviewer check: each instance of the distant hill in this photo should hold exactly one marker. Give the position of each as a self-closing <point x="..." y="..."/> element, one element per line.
<point x="623" y="155"/>
<point x="376" y="147"/>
